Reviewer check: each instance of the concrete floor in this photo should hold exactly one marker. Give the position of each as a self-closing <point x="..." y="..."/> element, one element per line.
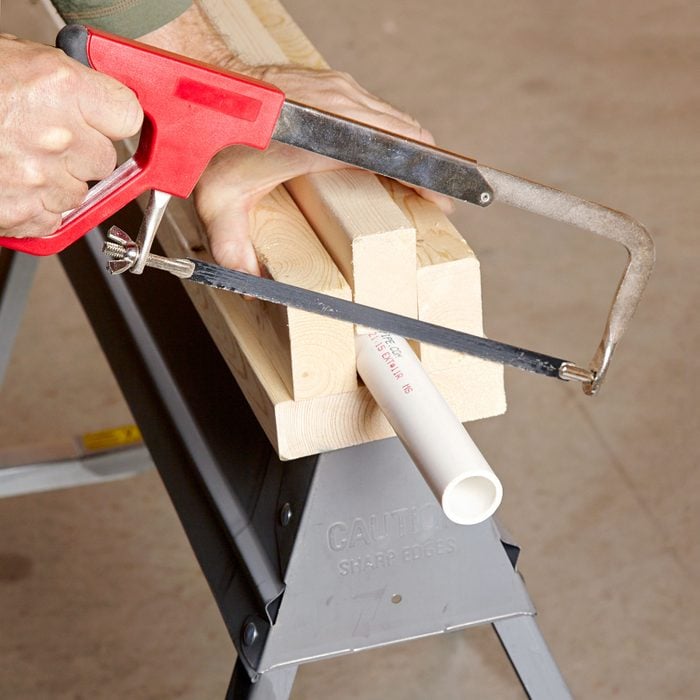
<point x="100" y="596"/>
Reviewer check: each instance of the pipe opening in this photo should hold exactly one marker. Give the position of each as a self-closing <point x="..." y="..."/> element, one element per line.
<point x="472" y="499"/>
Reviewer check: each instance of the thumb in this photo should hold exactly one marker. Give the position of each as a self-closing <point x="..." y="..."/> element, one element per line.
<point x="229" y="238"/>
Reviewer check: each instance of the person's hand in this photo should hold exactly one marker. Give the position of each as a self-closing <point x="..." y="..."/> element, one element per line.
<point x="238" y="177"/>
<point x="58" y="119"/>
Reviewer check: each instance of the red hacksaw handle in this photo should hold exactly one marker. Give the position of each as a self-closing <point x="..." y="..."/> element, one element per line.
<point x="191" y="111"/>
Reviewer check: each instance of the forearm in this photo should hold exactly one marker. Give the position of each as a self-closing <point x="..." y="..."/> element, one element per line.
<point x="179" y="26"/>
<point x="191" y="34"/>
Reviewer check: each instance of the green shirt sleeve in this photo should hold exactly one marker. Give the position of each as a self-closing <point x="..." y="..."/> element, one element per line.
<point x="129" y="18"/>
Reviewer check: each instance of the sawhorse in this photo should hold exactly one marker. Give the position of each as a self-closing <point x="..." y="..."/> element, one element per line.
<point x="307" y="559"/>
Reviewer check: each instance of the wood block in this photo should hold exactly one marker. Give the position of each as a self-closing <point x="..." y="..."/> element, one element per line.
<point x="242" y="329"/>
<point x="367" y="235"/>
<point x="309" y="426"/>
<point x="318" y="353"/>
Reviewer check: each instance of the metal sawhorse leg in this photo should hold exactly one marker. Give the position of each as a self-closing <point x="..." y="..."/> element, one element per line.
<point x="16" y="276"/>
<point x="308" y="559"/>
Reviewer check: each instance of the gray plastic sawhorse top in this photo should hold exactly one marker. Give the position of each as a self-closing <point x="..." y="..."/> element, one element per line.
<point x="308" y="559"/>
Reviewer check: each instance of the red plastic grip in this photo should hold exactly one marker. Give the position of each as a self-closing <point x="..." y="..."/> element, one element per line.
<point x="191" y="110"/>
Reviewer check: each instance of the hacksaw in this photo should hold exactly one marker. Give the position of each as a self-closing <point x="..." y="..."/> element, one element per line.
<point x="193" y="110"/>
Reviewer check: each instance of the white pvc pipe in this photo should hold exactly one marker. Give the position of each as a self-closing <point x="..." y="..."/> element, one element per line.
<point x="437" y="442"/>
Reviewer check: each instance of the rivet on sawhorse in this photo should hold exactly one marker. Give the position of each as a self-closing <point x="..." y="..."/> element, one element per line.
<point x="286" y="514"/>
<point x="250" y="634"/>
